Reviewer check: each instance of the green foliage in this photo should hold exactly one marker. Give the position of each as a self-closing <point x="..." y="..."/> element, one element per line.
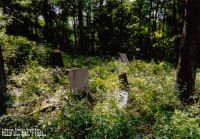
<point x="19" y="51"/>
<point x="40" y="95"/>
<point x="180" y="124"/>
<point x="109" y="26"/>
<point x="40" y="98"/>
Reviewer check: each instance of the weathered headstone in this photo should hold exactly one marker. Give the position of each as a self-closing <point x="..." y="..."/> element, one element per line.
<point x="123" y="79"/>
<point x="123" y="57"/>
<point x="122" y="98"/>
<point x="56" y="59"/>
<point x="122" y="95"/>
<point x="78" y="80"/>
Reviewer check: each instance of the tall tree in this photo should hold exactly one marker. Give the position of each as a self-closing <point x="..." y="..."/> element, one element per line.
<point x="80" y="25"/>
<point x="2" y="84"/>
<point x="175" y="29"/>
<point x="2" y="69"/>
<point x="190" y="50"/>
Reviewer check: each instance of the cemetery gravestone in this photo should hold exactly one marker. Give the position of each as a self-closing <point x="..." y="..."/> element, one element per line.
<point x="123" y="57"/>
<point x="122" y="95"/>
<point x="78" y="79"/>
<point x="122" y="98"/>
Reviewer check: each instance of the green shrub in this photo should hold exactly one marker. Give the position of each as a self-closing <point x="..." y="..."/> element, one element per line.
<point x="19" y="51"/>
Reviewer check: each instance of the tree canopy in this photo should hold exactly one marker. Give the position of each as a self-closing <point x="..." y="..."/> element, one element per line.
<point x="144" y="28"/>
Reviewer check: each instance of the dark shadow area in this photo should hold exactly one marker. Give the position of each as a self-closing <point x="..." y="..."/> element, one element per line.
<point x="3" y="99"/>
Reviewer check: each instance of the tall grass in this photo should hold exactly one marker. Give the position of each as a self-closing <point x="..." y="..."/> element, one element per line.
<point x="40" y="97"/>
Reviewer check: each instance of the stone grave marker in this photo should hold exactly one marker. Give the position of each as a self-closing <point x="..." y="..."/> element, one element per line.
<point x="122" y="95"/>
<point x="78" y="80"/>
<point x="123" y="79"/>
<point x="122" y="98"/>
<point x="123" y="57"/>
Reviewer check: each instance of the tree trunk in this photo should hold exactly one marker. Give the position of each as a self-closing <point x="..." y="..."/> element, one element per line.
<point x="80" y="25"/>
<point x="190" y="51"/>
<point x="74" y="24"/>
<point x="149" y="41"/>
<point x="175" y="30"/>
<point x="122" y="23"/>
<point x="89" y="30"/>
<point x="2" y="70"/>
<point x="2" y="84"/>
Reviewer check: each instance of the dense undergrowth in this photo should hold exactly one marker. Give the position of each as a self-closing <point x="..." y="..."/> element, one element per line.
<point x="40" y="96"/>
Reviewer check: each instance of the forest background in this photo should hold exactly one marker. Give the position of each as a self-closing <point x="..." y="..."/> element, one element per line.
<point x="91" y="33"/>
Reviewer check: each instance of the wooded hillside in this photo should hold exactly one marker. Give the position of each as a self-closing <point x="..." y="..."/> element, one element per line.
<point x="99" y="68"/>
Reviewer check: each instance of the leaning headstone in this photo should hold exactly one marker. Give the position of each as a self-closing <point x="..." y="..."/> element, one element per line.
<point x="122" y="95"/>
<point x="122" y="98"/>
<point x="123" y="79"/>
<point x="78" y="80"/>
<point x="56" y="59"/>
<point x="123" y="57"/>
